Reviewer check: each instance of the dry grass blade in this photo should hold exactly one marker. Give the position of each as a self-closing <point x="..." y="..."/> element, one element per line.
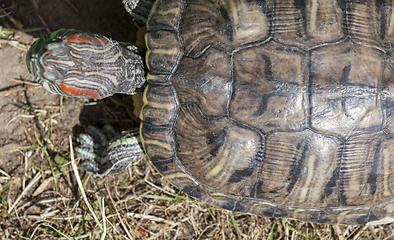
<point x="360" y="231"/>
<point x="104" y="220"/>
<point x="78" y="178"/>
<point x="22" y="115"/>
<point x="16" y="44"/>
<point x="117" y="212"/>
<point x="32" y="182"/>
<point x="5" y="174"/>
<point x="42" y="187"/>
<point x="389" y="237"/>
<point x="26" y="82"/>
<point x="149" y="217"/>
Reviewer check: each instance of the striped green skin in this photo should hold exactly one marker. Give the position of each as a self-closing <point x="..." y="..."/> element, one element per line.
<point x="58" y="60"/>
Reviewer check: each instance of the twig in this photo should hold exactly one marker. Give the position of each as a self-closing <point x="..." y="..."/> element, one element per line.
<point x="35" y="6"/>
<point x="72" y="5"/>
<point x="25" y="82"/>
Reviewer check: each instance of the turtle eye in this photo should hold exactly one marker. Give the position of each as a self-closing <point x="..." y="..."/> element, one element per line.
<point x="54" y="62"/>
<point x="51" y="66"/>
<point x="57" y="49"/>
<point x="52" y="76"/>
<point x="46" y="58"/>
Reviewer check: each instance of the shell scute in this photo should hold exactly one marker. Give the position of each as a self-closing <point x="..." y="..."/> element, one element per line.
<point x="295" y="169"/>
<point x="205" y="81"/>
<point x="157" y="142"/>
<point x="367" y="161"/>
<point x="166" y="14"/>
<point x="224" y="24"/>
<point x="371" y="23"/>
<point x="160" y="105"/>
<point x="164" y="51"/>
<point x="344" y="89"/>
<point x="216" y="141"/>
<point x="270" y="87"/>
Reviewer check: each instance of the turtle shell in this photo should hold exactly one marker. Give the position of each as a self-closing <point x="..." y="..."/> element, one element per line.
<point x="276" y="108"/>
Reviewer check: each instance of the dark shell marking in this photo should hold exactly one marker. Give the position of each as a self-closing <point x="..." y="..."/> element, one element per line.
<point x="277" y="108"/>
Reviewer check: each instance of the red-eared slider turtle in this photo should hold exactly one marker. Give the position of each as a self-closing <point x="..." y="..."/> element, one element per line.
<point x="278" y="108"/>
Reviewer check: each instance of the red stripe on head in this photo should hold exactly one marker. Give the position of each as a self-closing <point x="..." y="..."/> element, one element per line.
<point x="78" y="92"/>
<point x="86" y="38"/>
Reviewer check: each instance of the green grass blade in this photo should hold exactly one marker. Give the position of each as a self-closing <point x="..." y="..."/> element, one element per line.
<point x="44" y="149"/>
<point x="22" y="236"/>
<point x="297" y="231"/>
<point x="235" y="224"/>
<point x="271" y="234"/>
<point x="209" y="211"/>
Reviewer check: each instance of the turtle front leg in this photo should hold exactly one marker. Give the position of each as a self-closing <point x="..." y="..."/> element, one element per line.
<point x="103" y="156"/>
<point x="79" y="64"/>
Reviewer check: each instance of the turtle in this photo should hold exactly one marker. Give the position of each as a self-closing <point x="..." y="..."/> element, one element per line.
<point x="278" y="108"/>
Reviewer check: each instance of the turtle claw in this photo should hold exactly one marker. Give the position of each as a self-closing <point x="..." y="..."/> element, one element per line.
<point x="102" y="156"/>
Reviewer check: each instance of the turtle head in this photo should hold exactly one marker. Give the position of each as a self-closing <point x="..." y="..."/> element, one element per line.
<point x="49" y="63"/>
<point x="80" y="64"/>
<point x="43" y="60"/>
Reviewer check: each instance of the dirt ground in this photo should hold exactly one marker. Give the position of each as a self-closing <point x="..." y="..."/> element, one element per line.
<point x="39" y="192"/>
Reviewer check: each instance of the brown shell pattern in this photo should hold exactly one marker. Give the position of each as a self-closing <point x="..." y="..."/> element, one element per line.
<point x="277" y="108"/>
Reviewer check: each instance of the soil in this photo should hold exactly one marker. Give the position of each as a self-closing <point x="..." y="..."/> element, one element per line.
<point x="34" y="122"/>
